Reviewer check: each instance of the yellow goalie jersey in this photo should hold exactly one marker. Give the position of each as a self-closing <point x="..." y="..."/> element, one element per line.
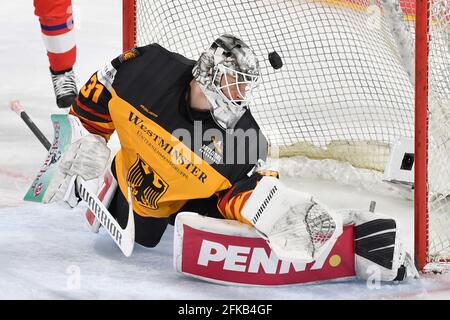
<point x="170" y="154"/>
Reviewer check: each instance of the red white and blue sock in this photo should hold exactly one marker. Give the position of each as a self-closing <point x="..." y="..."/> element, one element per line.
<point x="58" y="33"/>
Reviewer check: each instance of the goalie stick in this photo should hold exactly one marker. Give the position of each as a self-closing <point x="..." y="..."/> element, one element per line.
<point x="124" y="238"/>
<point x="17" y="108"/>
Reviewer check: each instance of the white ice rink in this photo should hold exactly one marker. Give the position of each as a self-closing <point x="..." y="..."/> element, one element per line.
<point x="46" y="252"/>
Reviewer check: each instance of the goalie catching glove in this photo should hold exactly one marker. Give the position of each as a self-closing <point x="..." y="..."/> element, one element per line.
<point x="296" y="226"/>
<point x="86" y="156"/>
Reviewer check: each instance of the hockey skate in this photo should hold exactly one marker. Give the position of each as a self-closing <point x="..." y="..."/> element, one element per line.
<point x="64" y="84"/>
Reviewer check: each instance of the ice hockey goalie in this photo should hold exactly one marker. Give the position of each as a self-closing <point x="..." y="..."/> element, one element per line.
<point x="189" y="143"/>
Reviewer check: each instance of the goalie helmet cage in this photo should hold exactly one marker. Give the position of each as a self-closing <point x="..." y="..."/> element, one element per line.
<point x="349" y="86"/>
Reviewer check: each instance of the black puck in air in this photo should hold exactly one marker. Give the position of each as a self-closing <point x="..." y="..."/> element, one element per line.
<point x="275" y="60"/>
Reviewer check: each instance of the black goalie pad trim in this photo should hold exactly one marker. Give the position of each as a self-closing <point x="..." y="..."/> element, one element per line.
<point x="378" y="249"/>
<point x="374" y="226"/>
<point x="401" y="274"/>
<point x="377" y="241"/>
<point x="381" y="257"/>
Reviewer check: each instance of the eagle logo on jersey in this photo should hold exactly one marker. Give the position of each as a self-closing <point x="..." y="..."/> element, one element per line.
<point x="146" y="184"/>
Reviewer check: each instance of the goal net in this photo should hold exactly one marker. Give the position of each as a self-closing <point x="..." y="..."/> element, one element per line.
<point x="347" y="88"/>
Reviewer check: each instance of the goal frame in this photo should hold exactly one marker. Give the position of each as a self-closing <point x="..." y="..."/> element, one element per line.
<point x="421" y="135"/>
<point x="128" y="24"/>
<point x="421" y="118"/>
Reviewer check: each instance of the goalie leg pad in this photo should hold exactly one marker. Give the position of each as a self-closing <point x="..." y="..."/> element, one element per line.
<point x="231" y="252"/>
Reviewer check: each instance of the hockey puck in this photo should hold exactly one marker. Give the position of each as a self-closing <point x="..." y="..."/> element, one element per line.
<point x="275" y="60"/>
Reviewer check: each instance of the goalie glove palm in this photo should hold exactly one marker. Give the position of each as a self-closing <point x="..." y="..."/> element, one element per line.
<point x="87" y="157"/>
<point x="297" y="227"/>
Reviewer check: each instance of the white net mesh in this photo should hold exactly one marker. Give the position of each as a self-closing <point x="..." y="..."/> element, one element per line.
<point x="334" y="85"/>
<point x="346" y="89"/>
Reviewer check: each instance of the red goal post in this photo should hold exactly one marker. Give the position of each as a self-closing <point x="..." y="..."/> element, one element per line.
<point x="129" y="24"/>
<point x="421" y="136"/>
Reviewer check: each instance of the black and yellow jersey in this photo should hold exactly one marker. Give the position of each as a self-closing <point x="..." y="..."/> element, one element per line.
<point x="169" y="154"/>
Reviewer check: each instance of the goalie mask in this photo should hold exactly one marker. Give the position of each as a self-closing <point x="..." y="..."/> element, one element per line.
<point x="228" y="74"/>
